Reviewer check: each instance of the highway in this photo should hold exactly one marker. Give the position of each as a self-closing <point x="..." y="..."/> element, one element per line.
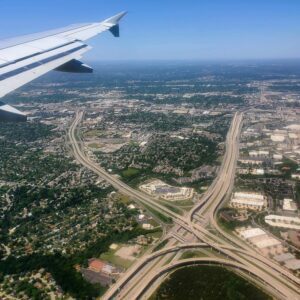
<point x="133" y="284"/>
<point x="206" y="261"/>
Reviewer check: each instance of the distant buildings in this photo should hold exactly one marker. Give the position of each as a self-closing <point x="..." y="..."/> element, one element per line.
<point x="204" y="172"/>
<point x="147" y="226"/>
<point x="296" y="176"/>
<point x="252" y="171"/>
<point x="277" y="156"/>
<point x="244" y="200"/>
<point x="277" y="138"/>
<point x="259" y="153"/>
<point x="251" y="161"/>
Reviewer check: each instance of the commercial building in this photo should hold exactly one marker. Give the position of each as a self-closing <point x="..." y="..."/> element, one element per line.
<point x="277" y="138"/>
<point x="98" y="265"/>
<point x="277" y="156"/>
<point x="253" y="201"/>
<point x="289" y="260"/>
<point x="167" y="192"/>
<point x="257" y="172"/>
<point x="284" y="257"/>
<point x="289" y="205"/>
<point x="251" y="161"/>
<point x="293" y="264"/>
<point x="260" y="153"/>
<point x="100" y="272"/>
<point x="296" y="176"/>
<point x="283" y="221"/>
<point x="261" y="240"/>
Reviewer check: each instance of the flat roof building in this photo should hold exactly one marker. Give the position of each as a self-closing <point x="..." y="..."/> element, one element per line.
<point x="165" y="191"/>
<point x="284" y="257"/>
<point x="261" y="240"/>
<point x="289" y="205"/>
<point x="293" y="264"/>
<point x="283" y="221"/>
<point x="251" y="201"/>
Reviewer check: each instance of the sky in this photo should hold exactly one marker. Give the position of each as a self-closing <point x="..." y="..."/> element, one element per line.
<point x="169" y="29"/>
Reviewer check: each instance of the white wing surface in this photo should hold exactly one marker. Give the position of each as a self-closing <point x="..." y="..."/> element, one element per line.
<point x="23" y="59"/>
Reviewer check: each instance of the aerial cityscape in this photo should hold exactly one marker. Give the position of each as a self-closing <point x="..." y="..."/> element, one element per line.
<point x="160" y="180"/>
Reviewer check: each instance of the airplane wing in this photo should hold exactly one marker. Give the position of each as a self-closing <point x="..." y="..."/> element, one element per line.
<point x="26" y="58"/>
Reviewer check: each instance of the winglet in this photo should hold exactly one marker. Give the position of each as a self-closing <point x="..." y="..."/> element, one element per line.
<point x="115" y="19"/>
<point x="113" y="23"/>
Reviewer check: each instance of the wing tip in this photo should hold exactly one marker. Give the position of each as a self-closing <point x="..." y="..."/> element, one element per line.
<point x="114" y="20"/>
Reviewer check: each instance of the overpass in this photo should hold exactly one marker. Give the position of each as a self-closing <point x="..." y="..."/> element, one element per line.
<point x="239" y="253"/>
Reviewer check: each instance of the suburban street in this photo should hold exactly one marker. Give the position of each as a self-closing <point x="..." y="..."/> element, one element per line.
<point x="198" y="229"/>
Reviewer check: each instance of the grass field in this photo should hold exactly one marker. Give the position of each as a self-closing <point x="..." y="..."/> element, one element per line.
<point x="130" y="172"/>
<point x="92" y="133"/>
<point x="94" y="146"/>
<point x="192" y="254"/>
<point x="116" y="260"/>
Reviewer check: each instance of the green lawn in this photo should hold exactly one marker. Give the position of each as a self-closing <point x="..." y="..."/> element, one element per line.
<point x="130" y="172"/>
<point x="192" y="254"/>
<point x="95" y="146"/>
<point x="116" y="260"/>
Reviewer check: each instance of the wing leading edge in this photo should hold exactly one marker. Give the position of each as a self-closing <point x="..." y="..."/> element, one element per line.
<point x="27" y="58"/>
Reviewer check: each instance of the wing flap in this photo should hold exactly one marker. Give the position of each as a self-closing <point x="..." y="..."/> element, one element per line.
<point x="74" y="66"/>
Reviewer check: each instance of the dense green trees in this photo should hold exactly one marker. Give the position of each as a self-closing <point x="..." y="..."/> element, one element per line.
<point x="62" y="267"/>
<point x="207" y="282"/>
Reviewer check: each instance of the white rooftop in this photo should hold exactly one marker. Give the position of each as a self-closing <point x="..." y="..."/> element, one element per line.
<point x="283" y="221"/>
<point x="289" y="204"/>
<point x="249" y="195"/>
<point x="268" y="242"/>
<point x="250" y="233"/>
<point x="252" y="202"/>
<point x="284" y="257"/>
<point x="293" y="264"/>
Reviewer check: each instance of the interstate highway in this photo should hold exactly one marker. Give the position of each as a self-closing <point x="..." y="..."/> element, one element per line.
<point x="263" y="268"/>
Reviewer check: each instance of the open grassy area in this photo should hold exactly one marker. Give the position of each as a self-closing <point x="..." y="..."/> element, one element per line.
<point x="160" y="245"/>
<point x="165" y="219"/>
<point x="111" y="257"/>
<point x="130" y="173"/>
<point x="171" y="207"/>
<point x="95" y="145"/>
<point x="209" y="283"/>
<point x="183" y="203"/>
<point x="191" y="254"/>
<point x="124" y="199"/>
<point x="155" y="235"/>
<point x="92" y="133"/>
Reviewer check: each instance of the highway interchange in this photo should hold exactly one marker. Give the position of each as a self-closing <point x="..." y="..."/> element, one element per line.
<point x="197" y="229"/>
